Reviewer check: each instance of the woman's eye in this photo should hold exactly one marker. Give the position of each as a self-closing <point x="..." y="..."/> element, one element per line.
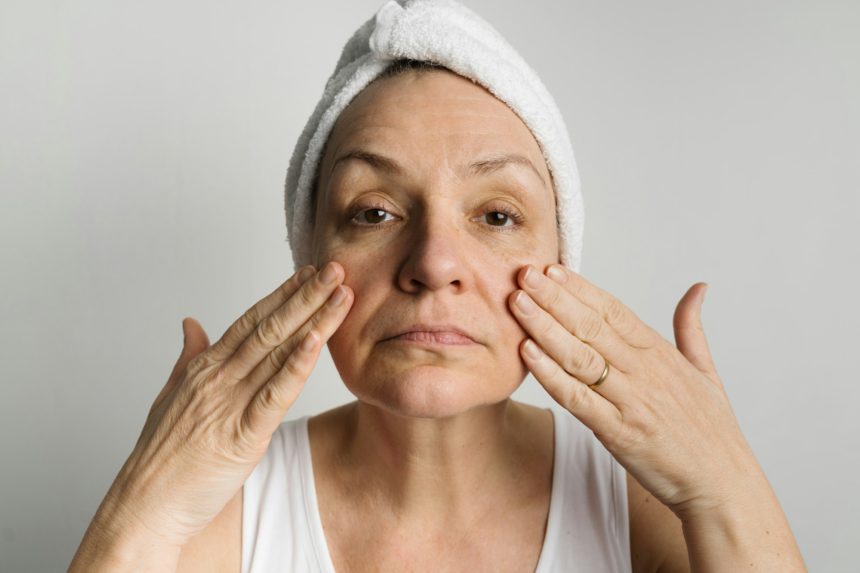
<point x="376" y="216"/>
<point x="498" y="219"/>
<point x="371" y="216"/>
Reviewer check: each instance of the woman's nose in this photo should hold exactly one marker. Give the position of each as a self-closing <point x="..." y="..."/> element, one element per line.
<point x="435" y="258"/>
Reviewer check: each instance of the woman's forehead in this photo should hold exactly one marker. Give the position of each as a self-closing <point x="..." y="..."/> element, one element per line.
<point x="432" y="118"/>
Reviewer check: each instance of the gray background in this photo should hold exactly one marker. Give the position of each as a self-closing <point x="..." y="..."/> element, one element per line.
<point x="143" y="148"/>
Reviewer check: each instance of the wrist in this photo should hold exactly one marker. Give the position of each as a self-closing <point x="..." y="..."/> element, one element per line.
<point x="123" y="554"/>
<point x="738" y="481"/>
<point x="746" y="529"/>
<point x="116" y="544"/>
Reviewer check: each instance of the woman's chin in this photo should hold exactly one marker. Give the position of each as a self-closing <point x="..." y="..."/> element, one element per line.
<point x="431" y="391"/>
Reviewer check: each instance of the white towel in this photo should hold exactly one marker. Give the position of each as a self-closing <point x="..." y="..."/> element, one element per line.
<point x="447" y="33"/>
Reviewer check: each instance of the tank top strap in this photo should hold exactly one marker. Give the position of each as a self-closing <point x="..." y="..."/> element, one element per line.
<point x="281" y="529"/>
<point x="587" y="527"/>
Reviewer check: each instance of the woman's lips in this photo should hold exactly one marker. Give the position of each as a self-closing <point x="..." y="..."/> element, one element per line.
<point x="425" y="337"/>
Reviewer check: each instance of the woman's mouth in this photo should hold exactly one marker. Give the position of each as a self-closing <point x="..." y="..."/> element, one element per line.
<point x="436" y="337"/>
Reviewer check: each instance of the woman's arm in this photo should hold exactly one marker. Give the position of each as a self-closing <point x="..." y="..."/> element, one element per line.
<point x="211" y="424"/>
<point x="717" y="540"/>
<point x="748" y="532"/>
<point x="218" y="548"/>
<point x="656" y="539"/>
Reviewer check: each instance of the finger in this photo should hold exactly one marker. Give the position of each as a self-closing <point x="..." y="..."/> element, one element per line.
<point x="325" y="321"/>
<point x="250" y="319"/>
<point x="271" y="402"/>
<point x="595" y="411"/>
<point x="283" y="323"/>
<point x="576" y="358"/>
<point x="577" y="318"/>
<point x="689" y="333"/>
<point x="281" y="386"/>
<point x="616" y="314"/>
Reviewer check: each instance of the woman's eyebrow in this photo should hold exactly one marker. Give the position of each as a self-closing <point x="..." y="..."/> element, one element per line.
<point x="482" y="166"/>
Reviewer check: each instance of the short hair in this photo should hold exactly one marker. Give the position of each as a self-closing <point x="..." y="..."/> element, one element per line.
<point x="395" y="68"/>
<point x="402" y="65"/>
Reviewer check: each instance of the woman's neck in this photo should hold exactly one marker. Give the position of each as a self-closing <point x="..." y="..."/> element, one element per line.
<point x="426" y="471"/>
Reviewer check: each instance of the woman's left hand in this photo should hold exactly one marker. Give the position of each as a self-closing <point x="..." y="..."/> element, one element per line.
<point x="661" y="412"/>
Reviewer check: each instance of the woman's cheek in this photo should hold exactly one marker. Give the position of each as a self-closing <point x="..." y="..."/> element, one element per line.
<point x="346" y="343"/>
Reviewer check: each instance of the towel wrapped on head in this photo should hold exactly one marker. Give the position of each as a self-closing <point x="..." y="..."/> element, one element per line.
<point x="447" y="33"/>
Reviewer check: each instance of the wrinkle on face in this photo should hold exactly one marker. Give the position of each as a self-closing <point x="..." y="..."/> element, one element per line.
<point x="437" y="260"/>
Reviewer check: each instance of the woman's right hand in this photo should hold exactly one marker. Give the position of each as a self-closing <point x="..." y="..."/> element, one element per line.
<point x="212" y="422"/>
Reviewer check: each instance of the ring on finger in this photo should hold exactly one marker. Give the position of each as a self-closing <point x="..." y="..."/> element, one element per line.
<point x="602" y="376"/>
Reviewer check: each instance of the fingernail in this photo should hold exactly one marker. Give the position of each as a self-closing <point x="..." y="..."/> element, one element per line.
<point x="328" y="274"/>
<point x="526" y="304"/>
<point x="337" y="297"/>
<point x="532" y="351"/>
<point x="557" y="274"/>
<point x="530" y="278"/>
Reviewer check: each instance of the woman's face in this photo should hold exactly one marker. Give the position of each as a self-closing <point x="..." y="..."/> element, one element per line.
<point x="431" y="226"/>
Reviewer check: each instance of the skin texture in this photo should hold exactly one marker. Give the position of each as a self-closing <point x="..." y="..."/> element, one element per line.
<point x="413" y="471"/>
<point x="435" y="258"/>
<point x="211" y="423"/>
<point x="417" y="245"/>
<point x="433" y="425"/>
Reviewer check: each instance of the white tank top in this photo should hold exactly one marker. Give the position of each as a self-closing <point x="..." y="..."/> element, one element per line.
<point x="587" y="528"/>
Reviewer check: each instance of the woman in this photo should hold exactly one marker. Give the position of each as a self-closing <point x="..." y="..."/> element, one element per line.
<point x="434" y="243"/>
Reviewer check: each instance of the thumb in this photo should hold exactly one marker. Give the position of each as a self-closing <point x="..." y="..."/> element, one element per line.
<point x="194" y="341"/>
<point x="689" y="334"/>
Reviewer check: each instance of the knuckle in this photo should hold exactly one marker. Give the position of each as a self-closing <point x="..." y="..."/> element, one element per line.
<point x="270" y="395"/>
<point x="287" y="288"/>
<point x="590" y="327"/>
<point x="576" y="397"/>
<point x="628" y="437"/>
<point x="276" y="358"/>
<point x="616" y="314"/>
<point x="244" y="427"/>
<point x="640" y="336"/>
<point x="319" y="317"/>
<point x="196" y="364"/>
<point x="293" y="368"/>
<point x="324" y="322"/>
<point x="626" y="329"/>
<point x="308" y="294"/>
<point x="574" y="361"/>
<point x="545" y="327"/>
<point x="215" y="377"/>
<point x="270" y="332"/>
<point x="248" y="320"/>
<point x="592" y="362"/>
<point x="243" y="435"/>
<point x="219" y="442"/>
<point x="202" y="367"/>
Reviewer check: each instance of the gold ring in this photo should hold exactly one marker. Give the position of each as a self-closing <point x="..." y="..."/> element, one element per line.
<point x="602" y="376"/>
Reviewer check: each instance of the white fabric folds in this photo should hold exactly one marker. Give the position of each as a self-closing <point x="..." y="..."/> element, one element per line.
<point x="447" y="33"/>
